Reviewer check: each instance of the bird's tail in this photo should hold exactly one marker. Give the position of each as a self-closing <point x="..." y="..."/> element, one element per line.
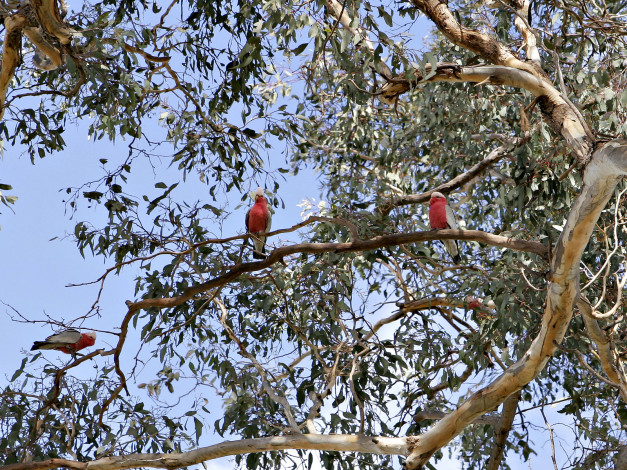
<point x="38" y="345"/>
<point x="453" y="249"/>
<point x="259" y="247"/>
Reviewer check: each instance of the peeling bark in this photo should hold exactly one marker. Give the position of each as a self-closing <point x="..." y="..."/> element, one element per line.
<point x="479" y="43"/>
<point x="38" y="39"/>
<point x="50" y="20"/>
<point x="11" y="56"/>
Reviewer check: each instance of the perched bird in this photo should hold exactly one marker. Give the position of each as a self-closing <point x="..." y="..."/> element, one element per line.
<point x="258" y="221"/>
<point x="482" y="310"/>
<point x="68" y="341"/>
<point x="440" y="217"/>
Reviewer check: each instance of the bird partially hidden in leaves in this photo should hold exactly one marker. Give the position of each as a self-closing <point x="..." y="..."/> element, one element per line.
<point x="483" y="311"/>
<point x="441" y="217"/>
<point x="68" y="341"/>
<point x="258" y="222"/>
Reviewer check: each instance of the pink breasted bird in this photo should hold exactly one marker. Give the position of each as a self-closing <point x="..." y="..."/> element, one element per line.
<point x="258" y="222"/>
<point x="68" y="341"/>
<point x="481" y="309"/>
<point x="441" y="217"/>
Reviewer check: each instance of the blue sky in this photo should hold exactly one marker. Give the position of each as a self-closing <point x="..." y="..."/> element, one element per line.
<point x="39" y="260"/>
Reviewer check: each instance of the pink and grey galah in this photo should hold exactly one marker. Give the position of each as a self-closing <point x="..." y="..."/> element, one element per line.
<point x="441" y="217"/>
<point x="68" y="341"/>
<point x="482" y="309"/>
<point x="258" y="222"/>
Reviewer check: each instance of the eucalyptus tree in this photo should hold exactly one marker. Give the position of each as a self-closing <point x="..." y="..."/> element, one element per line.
<point x="361" y="341"/>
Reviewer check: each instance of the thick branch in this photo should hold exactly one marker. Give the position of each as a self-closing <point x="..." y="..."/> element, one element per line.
<point x="335" y="442"/>
<point x="502" y="431"/>
<point x="606" y="167"/>
<point x="48" y="15"/>
<point x="46" y="464"/>
<point x="38" y="39"/>
<point x="479" y="43"/>
<point x="559" y="114"/>
<point x="11" y="55"/>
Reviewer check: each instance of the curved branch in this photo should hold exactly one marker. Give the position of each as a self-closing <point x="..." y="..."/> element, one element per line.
<point x="607" y="354"/>
<point x="38" y="39"/>
<point x="559" y="115"/>
<point x="11" y="55"/>
<point x="47" y="464"/>
<point x="493" y="157"/>
<point x="334" y="442"/>
<point x="474" y="41"/>
<point x="381" y="241"/>
<point x="605" y="169"/>
<point x="48" y="15"/>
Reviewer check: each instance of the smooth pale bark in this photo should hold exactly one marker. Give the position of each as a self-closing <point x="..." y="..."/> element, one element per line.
<point x="560" y="116"/>
<point x="602" y="174"/>
<point x="334" y="442"/>
<point x="343" y="443"/>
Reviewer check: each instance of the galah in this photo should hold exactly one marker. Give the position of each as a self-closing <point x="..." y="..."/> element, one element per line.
<point x="258" y="222"/>
<point x="482" y="310"/>
<point x="68" y="341"/>
<point x="440" y="217"/>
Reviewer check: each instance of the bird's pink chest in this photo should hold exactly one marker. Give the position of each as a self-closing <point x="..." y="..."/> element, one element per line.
<point x="437" y="214"/>
<point x="84" y="342"/>
<point x="257" y="218"/>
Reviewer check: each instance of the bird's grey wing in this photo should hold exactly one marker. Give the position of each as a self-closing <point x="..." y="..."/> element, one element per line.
<point x="70" y="336"/>
<point x="450" y="218"/>
<point x="269" y="221"/>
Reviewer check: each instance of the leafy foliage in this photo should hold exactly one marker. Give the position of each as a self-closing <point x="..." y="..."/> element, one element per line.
<point x="230" y="82"/>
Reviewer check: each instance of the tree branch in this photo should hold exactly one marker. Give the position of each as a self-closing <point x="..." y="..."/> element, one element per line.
<point x="558" y="112"/>
<point x="381" y="241"/>
<point x="11" y="55"/>
<point x="502" y="431"/>
<point x="479" y="43"/>
<point x="607" y="166"/>
<point x="334" y="442"/>
<point x="47" y="13"/>
<point x="457" y="182"/>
